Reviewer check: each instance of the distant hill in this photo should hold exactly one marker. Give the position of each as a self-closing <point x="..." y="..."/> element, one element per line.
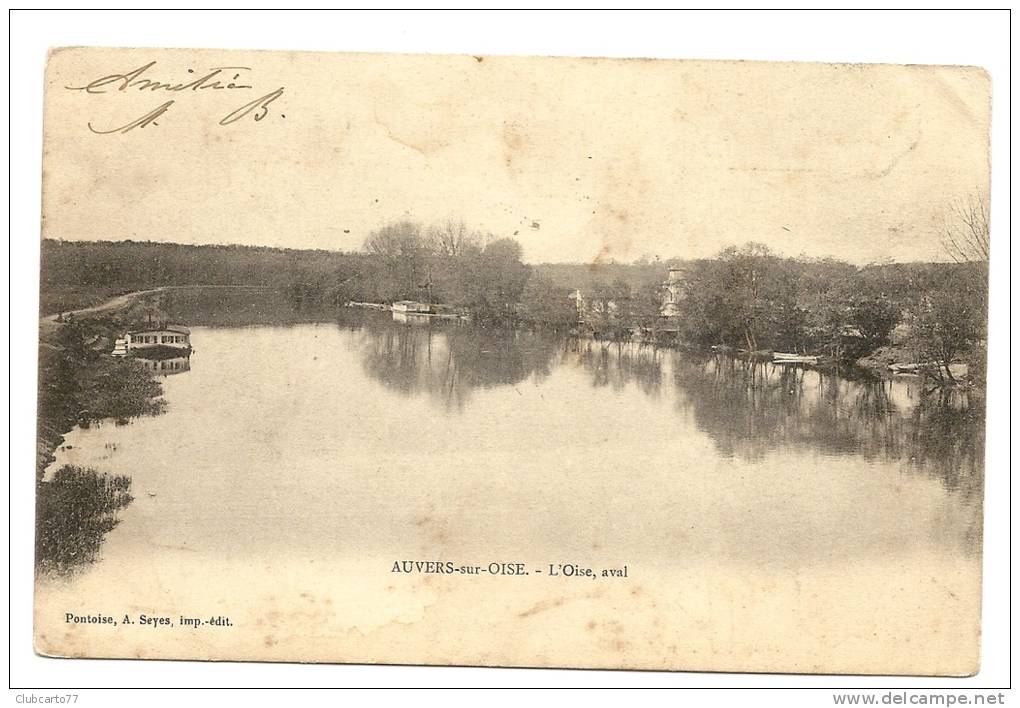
<point x="83" y="273"/>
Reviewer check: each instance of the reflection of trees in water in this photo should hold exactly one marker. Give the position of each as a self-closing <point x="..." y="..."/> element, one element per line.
<point x="948" y="434"/>
<point x="616" y="364"/>
<point x="399" y="360"/>
<point x="746" y="407"/>
<point x="749" y="408"/>
<point x="448" y="360"/>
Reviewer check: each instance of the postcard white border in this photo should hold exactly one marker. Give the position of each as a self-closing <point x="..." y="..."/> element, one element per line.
<point x="972" y="38"/>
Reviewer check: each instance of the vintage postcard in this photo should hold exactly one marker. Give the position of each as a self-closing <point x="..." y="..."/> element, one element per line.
<point x="512" y="361"/>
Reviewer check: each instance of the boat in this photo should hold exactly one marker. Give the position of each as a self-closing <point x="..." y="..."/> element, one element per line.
<point x="368" y="305"/>
<point x="424" y="311"/>
<point x="154" y="337"/>
<point x="957" y="370"/>
<point x="154" y="341"/>
<point x="412" y="307"/>
<point x="789" y="358"/>
<point x="906" y="368"/>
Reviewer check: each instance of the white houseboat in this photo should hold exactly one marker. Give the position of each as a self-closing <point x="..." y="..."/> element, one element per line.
<point x="171" y="339"/>
<point x="411" y="307"/>
<point x="167" y="335"/>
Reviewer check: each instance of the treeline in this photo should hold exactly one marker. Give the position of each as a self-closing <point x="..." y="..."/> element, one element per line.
<point x="451" y="265"/>
<point x="80" y="273"/>
<point x="746" y="297"/>
<point x="752" y="298"/>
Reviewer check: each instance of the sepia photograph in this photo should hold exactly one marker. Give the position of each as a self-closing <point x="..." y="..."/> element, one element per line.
<point x="480" y="360"/>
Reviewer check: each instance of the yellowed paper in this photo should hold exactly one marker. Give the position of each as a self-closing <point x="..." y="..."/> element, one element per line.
<point x="510" y="361"/>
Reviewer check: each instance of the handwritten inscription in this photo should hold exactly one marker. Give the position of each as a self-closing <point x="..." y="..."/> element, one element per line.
<point x="145" y="120"/>
<point x="260" y="107"/>
<point x="212" y="80"/>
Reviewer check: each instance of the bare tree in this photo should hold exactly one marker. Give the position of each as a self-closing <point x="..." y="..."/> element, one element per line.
<point x="965" y="232"/>
<point x="951" y="323"/>
<point x="453" y="239"/>
<point x="398" y="241"/>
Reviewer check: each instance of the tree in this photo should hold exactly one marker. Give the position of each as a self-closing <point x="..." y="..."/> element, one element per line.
<point x="502" y="276"/>
<point x="756" y="297"/>
<point x="608" y="308"/>
<point x="944" y="327"/>
<point x="949" y="319"/>
<point x="646" y="305"/>
<point x="846" y="320"/>
<point x="548" y="304"/>
<point x="455" y="253"/>
<point x="489" y="282"/>
<point x="965" y="232"/>
<point x="404" y="252"/>
<point x="454" y="239"/>
<point x="871" y="320"/>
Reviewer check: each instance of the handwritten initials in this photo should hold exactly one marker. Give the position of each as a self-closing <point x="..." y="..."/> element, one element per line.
<point x="213" y="80"/>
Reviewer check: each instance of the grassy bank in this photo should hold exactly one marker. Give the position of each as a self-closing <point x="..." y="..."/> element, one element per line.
<point x="80" y="384"/>
<point x="75" y="510"/>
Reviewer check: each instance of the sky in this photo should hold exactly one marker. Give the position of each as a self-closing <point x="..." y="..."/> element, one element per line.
<point x="581" y="160"/>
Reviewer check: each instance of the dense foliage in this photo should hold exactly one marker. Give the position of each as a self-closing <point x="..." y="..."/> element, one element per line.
<point x="746" y="297"/>
<point x="80" y="384"/>
<point x="74" y="511"/>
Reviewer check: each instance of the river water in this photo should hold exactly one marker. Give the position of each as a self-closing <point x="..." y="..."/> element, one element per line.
<point x="769" y="518"/>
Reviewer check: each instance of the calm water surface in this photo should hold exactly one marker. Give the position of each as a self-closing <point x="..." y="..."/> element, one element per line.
<point x="370" y="438"/>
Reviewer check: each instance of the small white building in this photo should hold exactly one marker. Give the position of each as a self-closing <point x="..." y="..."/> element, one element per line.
<point x="672" y="293"/>
<point x="167" y="335"/>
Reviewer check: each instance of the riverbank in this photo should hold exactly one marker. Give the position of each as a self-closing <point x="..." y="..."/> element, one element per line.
<point x="118" y="305"/>
<point x="901" y="360"/>
<point x="228" y="305"/>
<point x="80" y="385"/>
<point x="79" y="382"/>
<point x="83" y="385"/>
<point x="886" y="362"/>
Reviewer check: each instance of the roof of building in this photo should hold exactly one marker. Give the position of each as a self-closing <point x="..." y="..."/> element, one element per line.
<point x="179" y="329"/>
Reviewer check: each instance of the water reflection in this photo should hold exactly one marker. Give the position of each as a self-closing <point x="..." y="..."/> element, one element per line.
<point x="166" y="367"/>
<point x="748" y="409"/>
<point x="406" y="319"/>
<point x="617" y="364"/>
<point x="312" y="447"/>
<point x="447" y="360"/>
